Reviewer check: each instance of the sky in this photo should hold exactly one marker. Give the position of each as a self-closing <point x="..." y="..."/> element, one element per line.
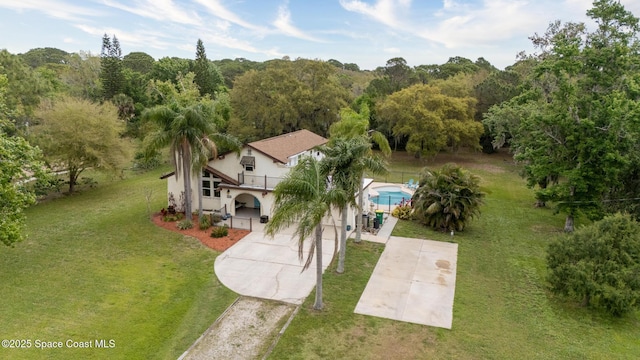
<point x="364" y="32"/>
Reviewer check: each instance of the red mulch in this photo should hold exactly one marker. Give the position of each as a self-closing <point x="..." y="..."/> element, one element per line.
<point x="218" y="244"/>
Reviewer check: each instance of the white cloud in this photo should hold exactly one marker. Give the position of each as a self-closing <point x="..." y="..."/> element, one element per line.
<point x="384" y="11"/>
<point x="285" y="26"/>
<point x="52" y="8"/>
<point x="223" y="40"/>
<point x="392" y="50"/>
<point x="136" y="39"/>
<point x="491" y="21"/>
<point x="215" y="8"/>
<point x="162" y="10"/>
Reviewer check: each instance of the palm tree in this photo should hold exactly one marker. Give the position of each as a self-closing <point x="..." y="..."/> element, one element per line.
<point x="353" y="124"/>
<point x="302" y="199"/>
<point x="447" y="199"/>
<point x="182" y="129"/>
<point x="345" y="160"/>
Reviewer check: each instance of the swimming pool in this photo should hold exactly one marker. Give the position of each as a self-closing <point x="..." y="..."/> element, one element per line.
<point x="390" y="195"/>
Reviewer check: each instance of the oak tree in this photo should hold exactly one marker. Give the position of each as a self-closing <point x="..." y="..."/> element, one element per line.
<point x="430" y="119"/>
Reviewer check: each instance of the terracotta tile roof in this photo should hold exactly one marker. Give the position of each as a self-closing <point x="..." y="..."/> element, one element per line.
<point x="283" y="146"/>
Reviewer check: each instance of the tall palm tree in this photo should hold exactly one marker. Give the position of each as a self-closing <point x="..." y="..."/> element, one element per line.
<point x="302" y="199"/>
<point x="353" y="124"/>
<point x="345" y="160"/>
<point x="182" y="128"/>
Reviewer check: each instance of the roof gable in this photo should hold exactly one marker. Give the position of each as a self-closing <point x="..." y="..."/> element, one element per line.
<point x="285" y="145"/>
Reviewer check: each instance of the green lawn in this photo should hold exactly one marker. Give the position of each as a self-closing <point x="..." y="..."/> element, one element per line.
<point x="502" y="309"/>
<point x="95" y="268"/>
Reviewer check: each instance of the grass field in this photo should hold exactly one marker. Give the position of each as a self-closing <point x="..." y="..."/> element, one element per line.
<point x="95" y="268"/>
<point x="502" y="309"/>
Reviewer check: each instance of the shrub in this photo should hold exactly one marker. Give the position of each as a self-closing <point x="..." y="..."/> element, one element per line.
<point x="170" y="217"/>
<point x="203" y="222"/>
<point x="215" y="218"/>
<point x="185" y="224"/>
<point x="219" y="231"/>
<point x="447" y="199"/>
<point x="402" y="212"/>
<point x="142" y="161"/>
<point x="599" y="264"/>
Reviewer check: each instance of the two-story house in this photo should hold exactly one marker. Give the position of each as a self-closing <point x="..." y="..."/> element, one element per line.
<point x="242" y="185"/>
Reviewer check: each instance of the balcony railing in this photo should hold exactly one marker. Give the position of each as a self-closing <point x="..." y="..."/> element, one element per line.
<point x="258" y="182"/>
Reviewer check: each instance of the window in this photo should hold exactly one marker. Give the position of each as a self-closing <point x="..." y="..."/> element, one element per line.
<point x="206" y="184"/>
<point x="206" y="188"/>
<point x="216" y="189"/>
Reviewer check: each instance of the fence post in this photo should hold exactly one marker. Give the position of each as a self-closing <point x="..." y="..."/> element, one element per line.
<point x="251" y="222"/>
<point x="231" y="221"/>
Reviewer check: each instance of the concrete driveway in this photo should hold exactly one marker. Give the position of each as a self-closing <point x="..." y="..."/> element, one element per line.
<point x="267" y="268"/>
<point x="413" y="281"/>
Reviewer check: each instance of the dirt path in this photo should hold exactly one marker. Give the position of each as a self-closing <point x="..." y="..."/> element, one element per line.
<point x="245" y="331"/>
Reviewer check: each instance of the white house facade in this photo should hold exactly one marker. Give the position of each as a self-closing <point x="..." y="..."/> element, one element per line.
<point x="242" y="185"/>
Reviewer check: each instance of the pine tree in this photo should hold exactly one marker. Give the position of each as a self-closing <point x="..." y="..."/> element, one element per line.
<point x="207" y="75"/>
<point x="111" y="62"/>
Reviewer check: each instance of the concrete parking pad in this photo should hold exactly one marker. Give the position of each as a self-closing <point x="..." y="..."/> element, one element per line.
<point x="262" y="267"/>
<point x="414" y="281"/>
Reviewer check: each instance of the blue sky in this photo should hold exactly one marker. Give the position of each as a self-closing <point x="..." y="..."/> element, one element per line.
<point x="365" y="32"/>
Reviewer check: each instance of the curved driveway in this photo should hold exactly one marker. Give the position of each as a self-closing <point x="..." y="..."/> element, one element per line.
<point x="262" y="267"/>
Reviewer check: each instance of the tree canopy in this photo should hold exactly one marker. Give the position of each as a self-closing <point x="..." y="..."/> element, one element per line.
<point x="208" y="77"/>
<point x="287" y="96"/>
<point x="76" y="134"/>
<point x="111" y="67"/>
<point x="18" y="162"/>
<point x="581" y="137"/>
<point x="40" y="56"/>
<point x="431" y="120"/>
<point x="599" y="265"/>
<point x="138" y="61"/>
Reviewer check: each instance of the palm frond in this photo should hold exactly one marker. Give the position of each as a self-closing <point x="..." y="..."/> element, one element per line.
<point x="447" y="199"/>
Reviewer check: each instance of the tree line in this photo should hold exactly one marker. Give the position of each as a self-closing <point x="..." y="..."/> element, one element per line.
<point x="569" y="113"/>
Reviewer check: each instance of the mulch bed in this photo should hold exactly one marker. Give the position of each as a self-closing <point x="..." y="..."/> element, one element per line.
<point x="218" y="244"/>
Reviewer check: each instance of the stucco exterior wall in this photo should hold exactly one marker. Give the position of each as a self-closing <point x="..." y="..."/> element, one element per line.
<point x="252" y="194"/>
